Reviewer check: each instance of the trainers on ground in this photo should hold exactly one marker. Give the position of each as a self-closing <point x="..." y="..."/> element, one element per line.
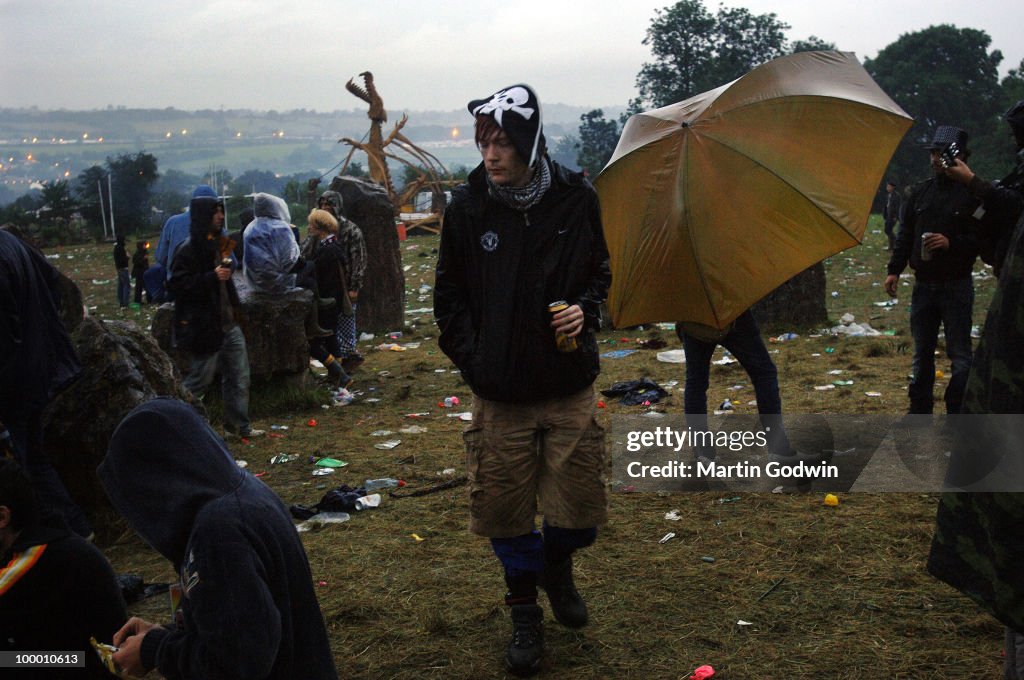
<point x="527" y="647"/>
<point x="566" y="604"/>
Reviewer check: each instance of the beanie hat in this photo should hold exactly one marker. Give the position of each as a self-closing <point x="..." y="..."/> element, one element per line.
<point x="204" y="190"/>
<point x="516" y="110"/>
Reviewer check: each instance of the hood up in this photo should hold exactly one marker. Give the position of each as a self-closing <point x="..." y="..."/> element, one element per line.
<point x="163" y="465"/>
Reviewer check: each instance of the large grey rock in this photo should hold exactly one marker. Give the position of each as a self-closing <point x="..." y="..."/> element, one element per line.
<point x="122" y="367"/>
<point x="274" y="328"/>
<point x="382" y="299"/>
<point x="798" y="303"/>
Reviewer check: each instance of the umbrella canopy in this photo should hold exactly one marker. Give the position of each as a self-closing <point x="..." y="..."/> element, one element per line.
<point x="711" y="203"/>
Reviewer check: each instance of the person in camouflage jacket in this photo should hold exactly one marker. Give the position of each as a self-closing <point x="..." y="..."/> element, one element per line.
<point x="978" y="547"/>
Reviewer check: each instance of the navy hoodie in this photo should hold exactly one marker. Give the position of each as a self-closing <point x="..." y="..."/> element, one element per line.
<point x="248" y="606"/>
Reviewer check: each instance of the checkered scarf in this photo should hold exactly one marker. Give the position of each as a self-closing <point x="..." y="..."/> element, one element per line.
<point x="524" y="198"/>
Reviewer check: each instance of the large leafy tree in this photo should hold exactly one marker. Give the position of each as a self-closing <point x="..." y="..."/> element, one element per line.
<point x="133" y="176"/>
<point x="943" y="75"/>
<point x="597" y="139"/>
<point x="695" y="50"/>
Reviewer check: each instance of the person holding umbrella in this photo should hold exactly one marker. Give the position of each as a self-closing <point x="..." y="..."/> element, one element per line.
<point x="522" y="271"/>
<point x="939" y="242"/>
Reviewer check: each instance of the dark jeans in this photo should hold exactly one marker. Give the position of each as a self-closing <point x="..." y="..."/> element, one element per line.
<point x="27" y="438"/>
<point x="124" y="287"/>
<point x="745" y="344"/>
<point x="951" y="304"/>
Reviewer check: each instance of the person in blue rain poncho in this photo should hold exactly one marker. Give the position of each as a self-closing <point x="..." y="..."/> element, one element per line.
<point x="271" y="251"/>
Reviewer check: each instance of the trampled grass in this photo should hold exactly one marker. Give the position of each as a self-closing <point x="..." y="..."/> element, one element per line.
<point x="828" y="592"/>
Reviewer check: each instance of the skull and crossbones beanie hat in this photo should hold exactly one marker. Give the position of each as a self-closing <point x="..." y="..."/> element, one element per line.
<point x="516" y="110"/>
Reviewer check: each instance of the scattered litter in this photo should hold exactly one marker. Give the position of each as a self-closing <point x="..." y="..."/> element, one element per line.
<point x="633" y="392"/>
<point x="449" y="402"/>
<point x="380" y="433"/>
<point x="242" y="463"/>
<point x="601" y="404"/>
<point x="708" y="558"/>
<point x="413" y="429"/>
<point x="726" y="405"/>
<point x="672" y="356"/>
<point x="365" y="337"/>
<point x="618" y="353"/>
<point x="842" y="383"/>
<point x="702" y="672"/>
<point x="390" y="347"/>
<point x="891" y="302"/>
<point x="939" y="374"/>
<point x="785" y="337"/>
<point x="724" y="361"/>
<point x="282" y="458"/>
<point x="368" y="501"/>
<point x="837" y="371"/>
<point x="98" y="282"/>
<point x="778" y="489"/>
<point x="317" y="521"/>
<point x="741" y="622"/>
<point x="278" y="427"/>
<point x="447" y="472"/>
<point x="422" y="414"/>
<point x="330" y="463"/>
<point x="735" y="388"/>
<point x="388" y="445"/>
<point x="673" y="516"/>
<point x="667" y="537"/>
<point x="835" y="293"/>
<point x="417" y="538"/>
<point x="975" y="332"/>
<point x="465" y="415"/>
<point x="831" y="500"/>
<point x="872" y="394"/>
<point x="319" y="472"/>
<point x="731" y="499"/>
<point x="312" y="422"/>
<point x="822" y="388"/>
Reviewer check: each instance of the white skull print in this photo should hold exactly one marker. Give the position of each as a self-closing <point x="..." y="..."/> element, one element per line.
<point x="511" y="99"/>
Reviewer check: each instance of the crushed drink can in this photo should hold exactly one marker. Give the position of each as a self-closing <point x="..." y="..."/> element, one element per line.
<point x="925" y="253"/>
<point x="563" y="342"/>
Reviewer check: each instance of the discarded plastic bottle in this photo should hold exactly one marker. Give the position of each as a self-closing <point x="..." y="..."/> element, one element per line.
<point x="382" y="483"/>
<point x="370" y="501"/>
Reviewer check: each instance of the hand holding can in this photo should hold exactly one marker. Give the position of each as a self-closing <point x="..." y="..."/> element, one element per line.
<point x="926" y="253"/>
<point x="563" y="342"/>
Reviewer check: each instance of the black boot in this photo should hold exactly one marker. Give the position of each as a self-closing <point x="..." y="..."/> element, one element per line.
<point x="566" y="604"/>
<point x="527" y="646"/>
<point x="313" y="329"/>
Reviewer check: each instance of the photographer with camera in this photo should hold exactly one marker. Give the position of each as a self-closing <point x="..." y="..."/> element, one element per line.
<point x="1002" y="201"/>
<point x="939" y="241"/>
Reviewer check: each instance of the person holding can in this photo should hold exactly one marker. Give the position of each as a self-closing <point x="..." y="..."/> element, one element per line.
<point x="939" y="241"/>
<point x="522" y="263"/>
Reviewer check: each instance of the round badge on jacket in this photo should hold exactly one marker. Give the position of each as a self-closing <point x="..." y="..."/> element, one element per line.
<point x="489" y="241"/>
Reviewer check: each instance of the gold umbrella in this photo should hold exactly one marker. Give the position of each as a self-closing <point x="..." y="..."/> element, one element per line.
<point x="712" y="203"/>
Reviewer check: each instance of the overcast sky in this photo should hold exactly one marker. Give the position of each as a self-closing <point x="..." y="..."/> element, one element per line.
<point x="283" y="54"/>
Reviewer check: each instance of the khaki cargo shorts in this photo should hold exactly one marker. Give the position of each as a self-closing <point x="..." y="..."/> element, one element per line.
<point x="551" y="451"/>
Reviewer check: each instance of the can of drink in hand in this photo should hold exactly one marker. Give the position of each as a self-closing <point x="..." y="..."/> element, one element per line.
<point x="925" y="253"/>
<point x="563" y="342"/>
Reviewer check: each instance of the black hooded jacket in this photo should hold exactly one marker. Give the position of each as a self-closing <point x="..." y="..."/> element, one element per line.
<point x="248" y="605"/>
<point x="36" y="356"/>
<point x="198" y="325"/>
<point x="497" y="272"/>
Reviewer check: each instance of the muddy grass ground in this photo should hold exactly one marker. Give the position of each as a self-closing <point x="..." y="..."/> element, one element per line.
<point x="829" y="592"/>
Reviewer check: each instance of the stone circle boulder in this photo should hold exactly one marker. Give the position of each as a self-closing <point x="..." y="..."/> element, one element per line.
<point x="122" y="367"/>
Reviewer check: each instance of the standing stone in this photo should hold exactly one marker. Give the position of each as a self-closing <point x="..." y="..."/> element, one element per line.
<point x="122" y="367"/>
<point x="798" y="303"/>
<point x="382" y="299"/>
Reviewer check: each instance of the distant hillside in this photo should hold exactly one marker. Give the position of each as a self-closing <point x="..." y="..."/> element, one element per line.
<point x="120" y="125"/>
<point x="40" y="146"/>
